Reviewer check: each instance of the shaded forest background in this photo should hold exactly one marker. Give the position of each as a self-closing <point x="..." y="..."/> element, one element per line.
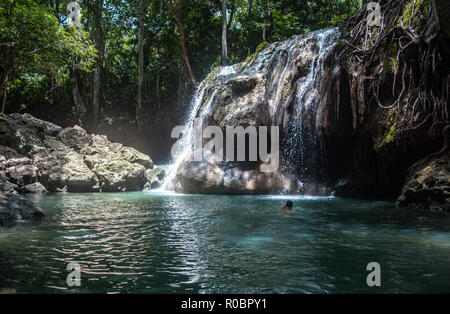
<point x="129" y="69"/>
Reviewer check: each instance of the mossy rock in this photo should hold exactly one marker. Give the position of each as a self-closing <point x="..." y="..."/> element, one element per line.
<point x="414" y="12"/>
<point x="428" y="185"/>
<point x="385" y="128"/>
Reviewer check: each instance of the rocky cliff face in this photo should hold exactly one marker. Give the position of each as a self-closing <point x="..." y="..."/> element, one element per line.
<point x="386" y="117"/>
<point x="357" y="109"/>
<point x="34" y="151"/>
<point x="38" y="157"/>
<point x="278" y="86"/>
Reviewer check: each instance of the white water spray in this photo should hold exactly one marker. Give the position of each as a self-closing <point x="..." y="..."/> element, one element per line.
<point x="186" y="143"/>
<point x="306" y="89"/>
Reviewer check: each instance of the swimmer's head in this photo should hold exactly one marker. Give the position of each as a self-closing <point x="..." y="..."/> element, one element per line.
<point x="289" y="204"/>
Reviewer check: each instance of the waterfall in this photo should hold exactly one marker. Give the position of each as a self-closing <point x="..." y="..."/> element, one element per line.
<point x="288" y="76"/>
<point x="304" y="146"/>
<point x="185" y="145"/>
<point x="274" y="104"/>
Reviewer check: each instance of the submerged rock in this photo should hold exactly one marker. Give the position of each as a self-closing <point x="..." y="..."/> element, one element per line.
<point x="14" y="208"/>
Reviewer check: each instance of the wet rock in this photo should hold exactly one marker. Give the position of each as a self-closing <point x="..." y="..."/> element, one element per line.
<point x="244" y="84"/>
<point x="14" y="208"/>
<point x="207" y="178"/>
<point x="279" y="86"/>
<point x="154" y="177"/>
<point x="35" y="188"/>
<point x="427" y="185"/>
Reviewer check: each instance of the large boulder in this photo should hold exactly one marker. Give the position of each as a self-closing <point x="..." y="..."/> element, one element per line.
<point x="6" y="186"/>
<point x="427" y="185"/>
<point x="32" y="122"/>
<point x="277" y="87"/>
<point x="65" y="170"/>
<point x="33" y="151"/>
<point x="208" y="178"/>
<point x="35" y="188"/>
<point x="132" y="155"/>
<point x="21" y="137"/>
<point x="117" y="175"/>
<point x="14" y="208"/>
<point x="75" y="137"/>
<point x="22" y="174"/>
<point x="118" y="168"/>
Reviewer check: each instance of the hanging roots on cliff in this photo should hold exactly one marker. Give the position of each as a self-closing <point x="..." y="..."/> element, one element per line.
<point x="401" y="65"/>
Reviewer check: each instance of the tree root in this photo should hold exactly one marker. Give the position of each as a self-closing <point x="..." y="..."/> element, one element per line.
<point x="420" y="69"/>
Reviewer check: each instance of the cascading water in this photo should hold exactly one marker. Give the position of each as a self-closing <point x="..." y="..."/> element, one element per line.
<point x="185" y="145"/>
<point x="304" y="145"/>
<point x="286" y="77"/>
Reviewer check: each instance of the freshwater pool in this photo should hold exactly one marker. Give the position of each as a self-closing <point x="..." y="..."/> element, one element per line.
<point x="169" y="243"/>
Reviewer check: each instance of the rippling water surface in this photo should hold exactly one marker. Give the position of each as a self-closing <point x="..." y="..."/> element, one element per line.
<point x="168" y="243"/>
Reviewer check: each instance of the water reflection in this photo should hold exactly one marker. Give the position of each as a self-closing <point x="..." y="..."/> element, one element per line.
<point x="159" y="243"/>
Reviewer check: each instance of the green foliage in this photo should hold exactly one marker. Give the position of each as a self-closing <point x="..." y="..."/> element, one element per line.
<point x="260" y="47"/>
<point x="78" y="44"/>
<point x="27" y="30"/>
<point x="414" y="12"/>
<point x="37" y="52"/>
<point x="40" y="50"/>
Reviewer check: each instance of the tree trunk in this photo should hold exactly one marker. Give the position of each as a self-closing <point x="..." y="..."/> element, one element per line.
<point x="4" y="88"/>
<point x="264" y="31"/>
<point x="158" y="97"/>
<point x="224" y="34"/>
<point x="139" y="106"/>
<point x="442" y="13"/>
<point x="250" y="8"/>
<point x="233" y="9"/>
<point x="175" y="10"/>
<point x="5" y="93"/>
<point x="80" y="106"/>
<point x="157" y="81"/>
<point x="97" y="75"/>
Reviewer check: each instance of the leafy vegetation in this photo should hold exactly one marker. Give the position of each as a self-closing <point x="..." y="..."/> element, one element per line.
<point x="132" y="61"/>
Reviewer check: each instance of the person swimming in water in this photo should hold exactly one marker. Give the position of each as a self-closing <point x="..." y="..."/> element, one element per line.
<point x="287" y="209"/>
